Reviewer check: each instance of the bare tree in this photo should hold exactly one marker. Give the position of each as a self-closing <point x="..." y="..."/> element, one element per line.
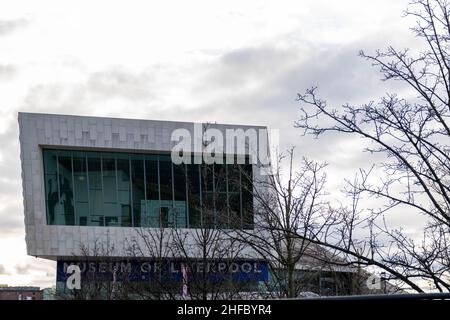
<point x="414" y="136"/>
<point x="154" y="245"/>
<point x="207" y="244"/>
<point x="288" y="204"/>
<point x="99" y="267"/>
<point x="200" y="244"/>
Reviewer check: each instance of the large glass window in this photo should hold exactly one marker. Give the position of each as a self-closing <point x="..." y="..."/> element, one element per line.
<point x="110" y="191"/>
<point x="180" y="198"/>
<point x="207" y="185"/>
<point x="151" y="218"/>
<point x="234" y="195"/>
<point x="89" y="188"/>
<point x="194" y="202"/>
<point x="220" y="195"/>
<point x="81" y="193"/>
<point x="124" y="190"/>
<point x="247" y="196"/>
<point x="95" y="182"/>
<point x="138" y="188"/>
<point x="51" y="185"/>
<point x="66" y="189"/>
<point x="165" y="178"/>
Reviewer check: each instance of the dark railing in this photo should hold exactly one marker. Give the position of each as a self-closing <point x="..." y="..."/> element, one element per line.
<point x="403" y="296"/>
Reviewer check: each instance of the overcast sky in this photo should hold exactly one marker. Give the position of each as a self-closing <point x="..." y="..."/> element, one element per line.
<point x="228" y="61"/>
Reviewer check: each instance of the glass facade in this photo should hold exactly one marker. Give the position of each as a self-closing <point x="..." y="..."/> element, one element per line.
<point x="87" y="188"/>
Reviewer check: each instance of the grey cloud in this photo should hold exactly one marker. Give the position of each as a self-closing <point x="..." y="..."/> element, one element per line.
<point x="34" y="265"/>
<point x="272" y="102"/>
<point x="55" y="97"/>
<point x="243" y="65"/>
<point x="12" y="219"/>
<point x="3" y="270"/>
<point x="289" y="65"/>
<point x="10" y="186"/>
<point x="9" y="26"/>
<point x="117" y="82"/>
<point x="278" y="73"/>
<point x="11" y="211"/>
<point x="7" y="72"/>
<point x="9" y="164"/>
<point x="22" y="269"/>
<point x="81" y="97"/>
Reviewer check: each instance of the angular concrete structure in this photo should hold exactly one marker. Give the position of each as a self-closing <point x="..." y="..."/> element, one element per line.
<point x="39" y="132"/>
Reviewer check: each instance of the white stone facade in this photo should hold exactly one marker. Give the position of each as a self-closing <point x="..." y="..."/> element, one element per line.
<point x="87" y="133"/>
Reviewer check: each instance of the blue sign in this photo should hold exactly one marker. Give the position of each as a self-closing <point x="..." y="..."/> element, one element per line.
<point x="166" y="270"/>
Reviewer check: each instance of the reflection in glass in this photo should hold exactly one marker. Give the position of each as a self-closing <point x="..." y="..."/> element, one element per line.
<point x="110" y="194"/>
<point x="179" y="183"/>
<point x="165" y="177"/>
<point x="67" y="214"/>
<point x="96" y="215"/>
<point x="138" y="188"/>
<point x="247" y="196"/>
<point x="193" y="185"/>
<point x="51" y="185"/>
<point x="144" y="190"/>
<point x="123" y="189"/>
<point x="152" y="205"/>
<point x="81" y="193"/>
